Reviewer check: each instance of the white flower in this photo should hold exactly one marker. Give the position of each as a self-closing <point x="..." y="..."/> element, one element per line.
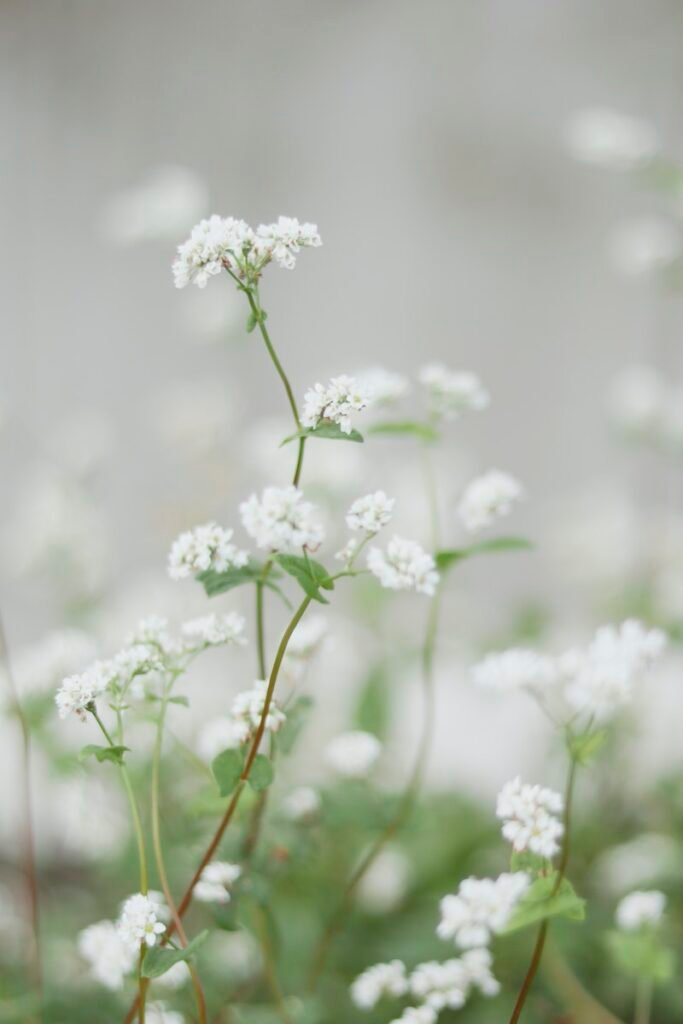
<point x="516" y="669"/>
<point x="637" y="400"/>
<point x="211" y="630"/>
<point x="353" y="755"/>
<point x="416" y="1015"/>
<point x="451" y="393"/>
<point x="383" y="386"/>
<point x="478" y="966"/>
<point x="213" y="244"/>
<point x="384" y="884"/>
<point x="370" y="513"/>
<point x="204" y="547"/>
<point x="379" y="981"/>
<point x="609" y="139"/>
<point x="215" y="881"/>
<point x="639" y="909"/>
<point x="110" y="959"/>
<point x="601" y="679"/>
<point x="77" y="692"/>
<point x="217" y="735"/>
<point x="281" y="520"/>
<point x="139" y="921"/>
<point x="159" y="1013"/>
<point x="448" y="984"/>
<point x="405" y="565"/>
<point x="528" y="813"/>
<point x="282" y="240"/>
<point x="644" y="246"/>
<point x="153" y="632"/>
<point x="488" y="498"/>
<point x="481" y="908"/>
<point x="138" y="660"/>
<point x="302" y="804"/>
<point x="247" y="710"/>
<point x="334" y="403"/>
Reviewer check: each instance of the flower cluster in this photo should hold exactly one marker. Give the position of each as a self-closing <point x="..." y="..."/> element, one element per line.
<point x="640" y="909"/>
<point x="516" y="669"/>
<point x="110" y="958"/>
<point x="379" y="981"/>
<point x="481" y="908"/>
<point x="404" y="566"/>
<point x="302" y="804"/>
<point x="213" y="630"/>
<point x="370" y="513"/>
<point x="382" y="386"/>
<point x="204" y="547"/>
<point x="78" y="692"/>
<point x="334" y="403"/>
<point x="488" y="498"/>
<point x="447" y="985"/>
<point x="247" y="710"/>
<point x="215" y="882"/>
<point x="139" y="922"/>
<point x="451" y="393"/>
<point x="227" y="243"/>
<point x="529" y="817"/>
<point x="353" y="755"/>
<point x="280" y="520"/>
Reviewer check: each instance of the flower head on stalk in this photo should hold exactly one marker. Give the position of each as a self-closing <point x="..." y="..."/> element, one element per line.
<point x="481" y="908"/>
<point x="280" y="520"/>
<point x="529" y="816"/>
<point x="334" y="403"/>
<point x="450" y="393"/>
<point x="226" y="243"/>
<point x="139" y="922"/>
<point x="404" y="566"/>
<point x="204" y="547"/>
<point x="488" y="498"/>
<point x="247" y="710"/>
<point x="640" y="909"/>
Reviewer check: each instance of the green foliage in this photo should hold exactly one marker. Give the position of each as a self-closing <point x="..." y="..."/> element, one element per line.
<point x="586" y="747"/>
<point x="328" y="431"/>
<point x="113" y="754"/>
<point x="541" y="902"/>
<point x="227" y="768"/>
<point x="309" y="574"/>
<point x="641" y="954"/>
<point x="261" y="774"/>
<point x="447" y="558"/>
<point x="406" y="428"/>
<point x="220" y="582"/>
<point x="158" y="959"/>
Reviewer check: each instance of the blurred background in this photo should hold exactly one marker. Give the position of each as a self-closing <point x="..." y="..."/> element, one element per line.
<point x="468" y="215"/>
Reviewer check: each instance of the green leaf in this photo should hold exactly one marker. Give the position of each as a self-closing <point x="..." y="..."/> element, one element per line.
<point x="374" y="704"/>
<point x="328" y="430"/>
<point x="309" y="574"/>
<point x="539" y="903"/>
<point x="445" y="559"/>
<point x="227" y="768"/>
<point x="252" y="320"/>
<point x="422" y="431"/>
<point x="642" y="954"/>
<point x="159" y="960"/>
<point x="584" y="748"/>
<point x="183" y="701"/>
<point x="215" y="583"/>
<point x="113" y="754"/>
<point x="261" y="774"/>
<point x="289" y="731"/>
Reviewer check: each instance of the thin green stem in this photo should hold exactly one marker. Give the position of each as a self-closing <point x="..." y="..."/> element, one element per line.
<point x="539" y="945"/>
<point x="270" y="969"/>
<point x="643" y="1008"/>
<point x="260" y="631"/>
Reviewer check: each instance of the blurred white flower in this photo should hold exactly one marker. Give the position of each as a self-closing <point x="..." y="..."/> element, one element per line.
<point x="280" y="520"/>
<point x="215" y="882"/>
<point x="370" y="513"/>
<point x="248" y="707"/>
<point x="77" y="692"/>
<point x="213" y="629"/>
<point x="159" y="1013"/>
<point x="637" y="399"/>
<point x="451" y="393"/>
<point x="516" y="669"/>
<point x="308" y="637"/>
<point x="384" y="884"/>
<point x="334" y="403"/>
<point x="645" y="246"/>
<point x="481" y="908"/>
<point x="109" y="957"/>
<point x="404" y="566"/>
<point x="384" y="386"/>
<point x="204" y="547"/>
<point x="529" y="817"/>
<point x="609" y="139"/>
<point x="379" y="981"/>
<point x="639" y="909"/>
<point x="353" y="755"/>
<point x="488" y="498"/>
<point x="416" y="1015"/>
<point x="139" y="922"/>
<point x="447" y="985"/>
<point x="163" y="204"/>
<point x="302" y="804"/>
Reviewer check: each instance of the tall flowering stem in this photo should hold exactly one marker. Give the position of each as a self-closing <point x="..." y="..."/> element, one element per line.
<point x="28" y="839"/>
<point x="186" y="899"/>
<point x="539" y="945"/>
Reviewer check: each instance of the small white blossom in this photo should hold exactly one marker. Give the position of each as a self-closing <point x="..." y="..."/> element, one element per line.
<point x="447" y="985"/>
<point x="529" y="817"/>
<point x="370" y="513"/>
<point x="481" y="908"/>
<point x="283" y="240"/>
<point x="247" y="710"/>
<point x="153" y="632"/>
<point x="334" y="403"/>
<point x="383" y="386"/>
<point x="353" y="755"/>
<point x="451" y="392"/>
<point x="280" y="520"/>
<point x="379" y="981"/>
<point x="215" y="882"/>
<point x="349" y="551"/>
<point x="601" y="679"/>
<point x="404" y="565"/>
<point x="478" y="964"/>
<point x="79" y="691"/>
<point x="516" y="669"/>
<point x="138" y="660"/>
<point x="302" y="804"/>
<point x="610" y="139"/>
<point x="110" y="959"/>
<point x="645" y="246"/>
<point x="212" y="630"/>
<point x="139" y="921"/>
<point x="639" y="909"/>
<point x="205" y="547"/>
<point x="416" y="1015"/>
<point x="488" y="498"/>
